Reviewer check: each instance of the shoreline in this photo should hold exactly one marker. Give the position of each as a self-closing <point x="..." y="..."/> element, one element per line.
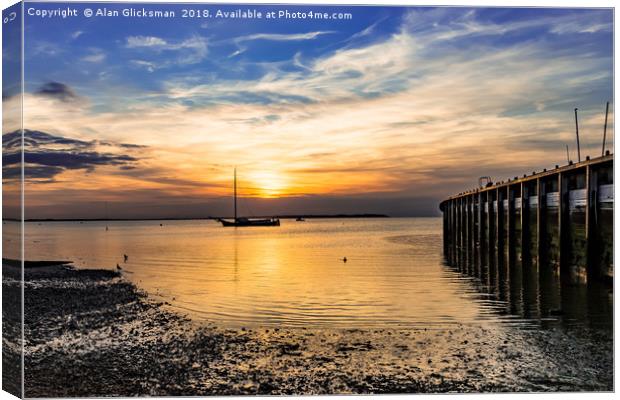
<point x="94" y="333"/>
<point x="209" y="218"/>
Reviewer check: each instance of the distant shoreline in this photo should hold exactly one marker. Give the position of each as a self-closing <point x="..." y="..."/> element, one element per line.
<point x="288" y="216"/>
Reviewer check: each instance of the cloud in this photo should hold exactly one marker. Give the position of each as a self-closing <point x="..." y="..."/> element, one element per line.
<point x="43" y="48"/>
<point x="36" y="139"/>
<point x="189" y="51"/>
<point x="282" y="37"/>
<point x="149" y="66"/>
<point x="46" y="155"/>
<point x="145" y="41"/>
<point x="95" y="56"/>
<point x="57" y="90"/>
<point x="76" y="34"/>
<point x="275" y="37"/>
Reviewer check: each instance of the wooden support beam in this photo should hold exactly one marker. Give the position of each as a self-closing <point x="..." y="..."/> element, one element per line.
<point x="453" y="234"/>
<point x="470" y="235"/>
<point x="592" y="238"/>
<point x="448" y="211"/>
<point x="467" y="234"/>
<point x="473" y="235"/>
<point x="481" y="234"/>
<point x="539" y="219"/>
<point x="526" y="240"/>
<point x="459" y="239"/>
<point x="510" y="225"/>
<point x="499" y="226"/>
<point x="563" y="222"/>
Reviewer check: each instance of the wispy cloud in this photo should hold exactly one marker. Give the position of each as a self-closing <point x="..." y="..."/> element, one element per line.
<point x="282" y="37"/>
<point x="189" y="51"/>
<point x="149" y="66"/>
<point x="145" y="41"/>
<point x="95" y="56"/>
<point x="276" y="37"/>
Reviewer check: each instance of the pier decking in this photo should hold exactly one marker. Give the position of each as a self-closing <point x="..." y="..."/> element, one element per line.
<point x="560" y="220"/>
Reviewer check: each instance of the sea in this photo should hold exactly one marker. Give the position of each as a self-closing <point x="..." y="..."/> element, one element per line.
<point x="295" y="275"/>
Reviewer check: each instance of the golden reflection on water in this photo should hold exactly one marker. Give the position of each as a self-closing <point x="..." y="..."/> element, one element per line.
<point x="292" y="275"/>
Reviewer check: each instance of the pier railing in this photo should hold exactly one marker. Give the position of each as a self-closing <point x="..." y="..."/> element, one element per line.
<point x="559" y="219"/>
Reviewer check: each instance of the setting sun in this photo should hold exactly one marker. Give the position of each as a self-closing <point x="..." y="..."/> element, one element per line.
<point x="265" y="184"/>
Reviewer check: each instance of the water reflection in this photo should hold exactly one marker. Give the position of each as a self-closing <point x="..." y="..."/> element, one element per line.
<point x="528" y="283"/>
<point x="294" y="275"/>
<point x="289" y="276"/>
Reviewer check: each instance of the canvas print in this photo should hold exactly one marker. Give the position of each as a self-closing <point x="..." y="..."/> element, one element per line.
<point x="277" y="199"/>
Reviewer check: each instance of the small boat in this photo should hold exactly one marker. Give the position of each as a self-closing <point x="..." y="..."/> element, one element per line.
<point x="243" y="221"/>
<point x="250" y="222"/>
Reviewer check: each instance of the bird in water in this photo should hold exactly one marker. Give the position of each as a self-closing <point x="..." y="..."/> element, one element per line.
<point x="118" y="267"/>
<point x="344" y="260"/>
<point x="126" y="257"/>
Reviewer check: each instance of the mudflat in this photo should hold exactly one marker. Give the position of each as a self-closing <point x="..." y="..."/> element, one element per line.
<point x="94" y="333"/>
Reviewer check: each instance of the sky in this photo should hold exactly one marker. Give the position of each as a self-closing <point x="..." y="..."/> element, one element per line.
<point x="389" y="111"/>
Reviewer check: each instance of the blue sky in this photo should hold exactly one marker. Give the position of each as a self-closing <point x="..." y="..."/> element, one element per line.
<point x="117" y="52"/>
<point x="387" y="112"/>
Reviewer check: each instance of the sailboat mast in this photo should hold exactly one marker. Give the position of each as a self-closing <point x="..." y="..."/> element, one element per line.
<point x="235" y="194"/>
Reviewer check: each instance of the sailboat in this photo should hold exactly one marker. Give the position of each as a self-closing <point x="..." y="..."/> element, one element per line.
<point x="242" y="221"/>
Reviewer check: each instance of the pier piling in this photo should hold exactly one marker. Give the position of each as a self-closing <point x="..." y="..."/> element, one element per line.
<point x="556" y="222"/>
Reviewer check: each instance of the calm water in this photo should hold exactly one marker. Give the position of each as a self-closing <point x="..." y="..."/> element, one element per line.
<point x="288" y="276"/>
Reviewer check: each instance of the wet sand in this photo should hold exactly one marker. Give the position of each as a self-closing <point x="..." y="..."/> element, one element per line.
<point x="93" y="333"/>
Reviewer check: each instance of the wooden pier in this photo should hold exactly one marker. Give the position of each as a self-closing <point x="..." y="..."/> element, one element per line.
<point x="557" y="222"/>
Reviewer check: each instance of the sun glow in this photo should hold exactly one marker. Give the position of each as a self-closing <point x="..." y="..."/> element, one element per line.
<point x="266" y="184"/>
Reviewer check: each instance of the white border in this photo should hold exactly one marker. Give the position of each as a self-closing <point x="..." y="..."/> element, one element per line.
<point x="470" y="3"/>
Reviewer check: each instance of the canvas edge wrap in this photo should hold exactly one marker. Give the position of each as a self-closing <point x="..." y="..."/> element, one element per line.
<point x="12" y="201"/>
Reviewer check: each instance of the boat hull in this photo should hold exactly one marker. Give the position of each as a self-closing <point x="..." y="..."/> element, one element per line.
<point x="250" y="222"/>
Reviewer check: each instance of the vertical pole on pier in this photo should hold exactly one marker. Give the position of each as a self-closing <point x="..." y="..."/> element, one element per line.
<point x="605" y="129"/>
<point x="577" y="132"/>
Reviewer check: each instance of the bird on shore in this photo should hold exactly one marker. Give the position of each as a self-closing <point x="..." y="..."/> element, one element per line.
<point x="344" y="260"/>
<point x="126" y="257"/>
<point x="118" y="267"/>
